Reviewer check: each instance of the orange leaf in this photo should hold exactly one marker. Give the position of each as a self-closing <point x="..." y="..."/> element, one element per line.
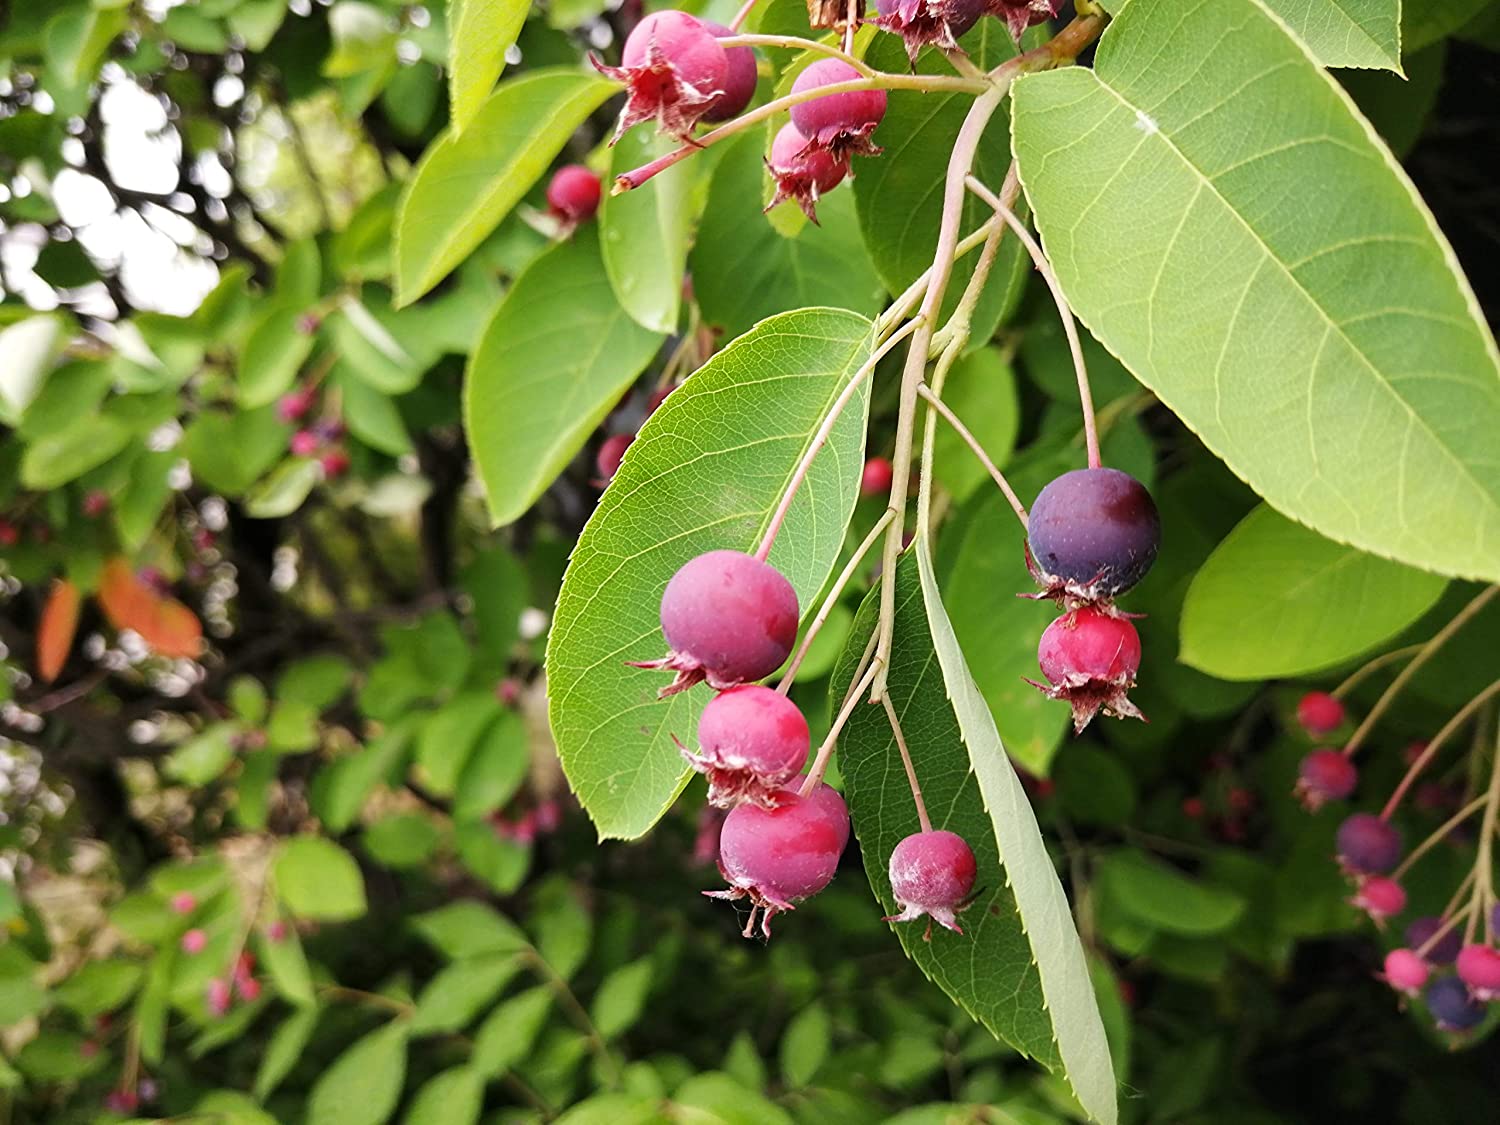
<point x="55" y="636"/>
<point x="165" y="624"/>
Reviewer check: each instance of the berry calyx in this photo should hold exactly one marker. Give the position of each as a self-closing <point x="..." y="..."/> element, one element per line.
<point x="1368" y="845"/>
<point x="1443" y="951"/>
<point x="751" y="742"/>
<point x="1405" y="971"/>
<point x="1452" y="1008"/>
<point x="1379" y="897"/>
<point x="1021" y="14"/>
<point x="1090" y="659"/>
<point x="1319" y="713"/>
<point x="802" y="171"/>
<point x="739" y="78"/>
<point x="1479" y="967"/>
<point x="932" y="873"/>
<point x="920" y="22"/>
<point x="876" y="478"/>
<point x="776" y="857"/>
<point x="1092" y="535"/>
<point x="673" y="70"/>
<point x="841" y="124"/>
<point x="728" y="618"/>
<point x="611" y="453"/>
<point x="1324" y="775"/>
<point x="573" y="195"/>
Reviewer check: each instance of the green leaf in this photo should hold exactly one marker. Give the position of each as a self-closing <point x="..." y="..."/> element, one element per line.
<point x="621" y="998"/>
<point x="402" y="840"/>
<point x="981" y="390"/>
<point x="283" y="1050"/>
<point x="286" y="965"/>
<point x="1330" y="354"/>
<point x="460" y="991"/>
<point x="509" y="1032"/>
<point x="363" y="1085"/>
<point x="562" y="925"/>
<point x="283" y="492"/>
<point x="744" y="271"/>
<point x="717" y="1099"/>
<point x="1355" y="33"/>
<point x="706" y="471"/>
<point x="1164" y="897"/>
<point x="77" y="40"/>
<point x="453" y="1097"/>
<point x="315" y="878"/>
<point x="469" y="929"/>
<point x="645" y="232"/>
<point x="552" y="362"/>
<point x="1427" y="21"/>
<point x="1019" y="966"/>
<point x="275" y="351"/>
<point x="479" y="34"/>
<point x="447" y="210"/>
<point x="1276" y="599"/>
<point x="315" y="681"/>
<point x="98" y="987"/>
<point x="372" y="416"/>
<point x="900" y="195"/>
<point x="341" y="789"/>
<point x="56" y="458"/>
<point x="495" y="770"/>
<point x="199" y="760"/>
<point x="229" y="451"/>
<point x="500" y="862"/>
<point x="613" y="1109"/>
<point x="805" y="1045"/>
<point x="448" y="738"/>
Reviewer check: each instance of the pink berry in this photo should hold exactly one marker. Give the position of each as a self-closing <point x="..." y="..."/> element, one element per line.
<point x="121" y="1101"/>
<point x="803" y="171"/>
<point x="920" y="22"/>
<point x="276" y="931"/>
<point x="334" y="463"/>
<point x="658" y="397"/>
<point x="751" y="742"/>
<point x="1320" y="713"/>
<point x="876" y="478"/>
<point x="10" y="534"/>
<point x="1405" y="971"/>
<point x="292" y="406"/>
<point x="674" y="72"/>
<point x="89" y="1048"/>
<point x="611" y="453"/>
<point x="706" y="838"/>
<point x="330" y="429"/>
<point x="194" y="941"/>
<point x="1090" y="659"/>
<point x="1479" y="968"/>
<point x="1192" y="808"/>
<point x="548" y="816"/>
<point x="184" y="903"/>
<point x="1325" y="775"/>
<point x="95" y="503"/>
<point x="932" y="873"/>
<point x="248" y="988"/>
<point x="304" y="443"/>
<point x="728" y="618"/>
<point x="778" y="856"/>
<point x="218" y="996"/>
<point x="1379" y="897"/>
<point x="508" y="691"/>
<point x="574" y="193"/>
<point x="739" y="79"/>
<point x="840" y="123"/>
<point x="1368" y="845"/>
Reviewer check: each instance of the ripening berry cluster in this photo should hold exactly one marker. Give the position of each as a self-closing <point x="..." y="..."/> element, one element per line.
<point x="730" y="619"/>
<point x="322" y="440"/>
<point x="1091" y="536"/>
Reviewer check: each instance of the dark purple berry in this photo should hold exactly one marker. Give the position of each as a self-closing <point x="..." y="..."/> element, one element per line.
<point x="751" y="742"/>
<point x="573" y="194"/>
<point x="1092" y="534"/>
<point x="802" y="171"/>
<point x="673" y="69"/>
<point x="1444" y="951"/>
<point x="920" y="22"/>
<point x="778" y="856"/>
<point x="932" y="873"/>
<point x="728" y="618"/>
<point x="1452" y="1008"/>
<point x="739" y="79"/>
<point x="841" y="123"/>
<point x="1325" y="775"/>
<point x="1090" y="659"/>
<point x="1368" y="845"/>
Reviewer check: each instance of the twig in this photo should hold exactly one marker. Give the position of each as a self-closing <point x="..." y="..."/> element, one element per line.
<point x="977" y="449"/>
<point x="796" y="43"/>
<point x="825" y="751"/>
<point x="911" y="771"/>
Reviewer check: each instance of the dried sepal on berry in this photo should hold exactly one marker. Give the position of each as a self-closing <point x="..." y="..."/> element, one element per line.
<point x="802" y="171"/>
<point x="673" y="71"/>
<point x="932" y="876"/>
<point x="1021" y="14"/>
<point x="1090" y="658"/>
<point x="752" y="741"/>
<point x="923" y="22"/>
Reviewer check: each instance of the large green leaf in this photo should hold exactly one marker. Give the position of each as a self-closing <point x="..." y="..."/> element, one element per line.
<point x="1327" y="348"/>
<point x="274" y="352"/>
<point x="1427" y="21"/>
<point x="706" y="472"/>
<point x="454" y="1097"/>
<point x="468" y="182"/>
<point x="645" y="232"/>
<point x="479" y="34"/>
<point x="744" y="271"/>
<point x="363" y="1085"/>
<point x="1164" y="898"/>
<point x="1276" y="599"/>
<point x="318" y="879"/>
<point x="553" y="361"/>
<point x="1018" y="967"/>
<point x="1361" y="33"/>
<point x="900" y="195"/>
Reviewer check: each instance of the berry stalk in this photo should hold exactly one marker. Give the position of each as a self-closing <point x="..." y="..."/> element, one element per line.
<point x="902" y="305"/>
<point x="1436" y="744"/>
<point x="793" y="42"/>
<point x="1438" y="836"/>
<point x="911" y="771"/>
<point x="1363" y="673"/>
<point x="825" y="751"/>
<point x="978" y="450"/>
<point x="1429" y="650"/>
<point x="1484" y="870"/>
<point x="1064" y="310"/>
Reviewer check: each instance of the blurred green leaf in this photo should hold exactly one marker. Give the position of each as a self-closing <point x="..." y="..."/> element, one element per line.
<point x="805" y="1045"/>
<point x="315" y="878"/>
<point x="621" y="998"/>
<point x="509" y="1032"/>
<point x="454" y="1097"/>
<point x="469" y="929"/>
<point x="479" y="34"/>
<point x="1164" y="897"/>
<point x="454" y="997"/>
<point x="363" y="1086"/>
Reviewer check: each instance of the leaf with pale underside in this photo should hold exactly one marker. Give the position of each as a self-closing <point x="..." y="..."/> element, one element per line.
<point x="1353" y="33"/>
